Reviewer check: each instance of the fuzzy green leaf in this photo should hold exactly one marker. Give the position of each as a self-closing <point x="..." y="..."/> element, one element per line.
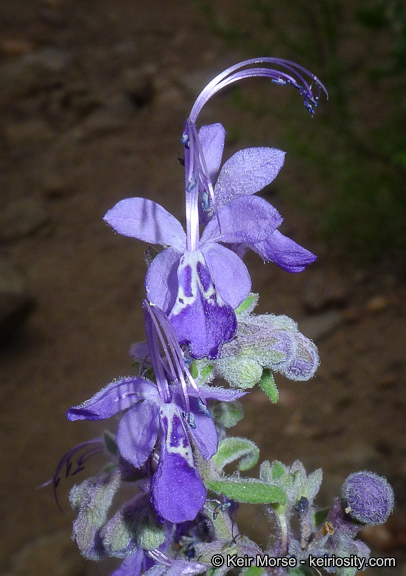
<point x="271" y="471"/>
<point x="227" y="414"/>
<point x="249" y="302"/>
<point x="231" y="449"/>
<point x="248" y="490"/>
<point x="240" y="371"/>
<point x="150" y="534"/>
<point x="299" y="572"/>
<point x="254" y="571"/>
<point x="200" y="370"/>
<point x="267" y="383"/>
<point x="278" y="469"/>
<point x="320" y="516"/>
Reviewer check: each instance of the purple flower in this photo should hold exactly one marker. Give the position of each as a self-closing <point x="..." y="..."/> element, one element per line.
<point x="171" y="410"/>
<point x="368" y="497"/>
<point x="197" y="281"/>
<point x="244" y="174"/>
<point x="249" y="170"/>
<point x="197" y="286"/>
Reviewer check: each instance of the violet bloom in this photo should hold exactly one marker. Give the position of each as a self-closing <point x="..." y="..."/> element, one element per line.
<point x="173" y="410"/>
<point x="197" y="280"/>
<point x="197" y="285"/>
<point x="244" y="174"/>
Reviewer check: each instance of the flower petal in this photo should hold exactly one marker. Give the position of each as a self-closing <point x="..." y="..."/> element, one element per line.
<point x="246" y="220"/>
<point x="228" y="272"/>
<point x="115" y="397"/>
<point x="146" y="220"/>
<point x="132" y="565"/>
<point x="218" y="393"/>
<point x="178" y="492"/>
<point x="205" y="434"/>
<point x="157" y="570"/>
<point x="137" y="433"/>
<point x="139" y="352"/>
<point x="247" y="172"/>
<point x="200" y="317"/>
<point x="286" y="253"/>
<point x="212" y="139"/>
<point x="161" y="282"/>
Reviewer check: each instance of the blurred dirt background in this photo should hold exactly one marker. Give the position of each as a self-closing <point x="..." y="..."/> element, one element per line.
<point x="93" y="96"/>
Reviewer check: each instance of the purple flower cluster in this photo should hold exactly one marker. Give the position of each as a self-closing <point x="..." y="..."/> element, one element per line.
<point x="170" y="408"/>
<point x="198" y="281"/>
<point x="170" y="446"/>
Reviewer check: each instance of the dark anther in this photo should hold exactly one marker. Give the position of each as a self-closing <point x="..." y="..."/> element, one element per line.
<point x="302" y="505"/>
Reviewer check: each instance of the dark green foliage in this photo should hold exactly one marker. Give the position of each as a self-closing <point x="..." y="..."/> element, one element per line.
<point x="356" y="144"/>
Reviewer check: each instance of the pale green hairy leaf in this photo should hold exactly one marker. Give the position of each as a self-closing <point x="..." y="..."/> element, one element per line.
<point x="231" y="449"/>
<point x="227" y="414"/>
<point x="267" y="383"/>
<point x="299" y="572"/>
<point x="249" y="304"/>
<point x="250" y="490"/>
<point x="271" y="471"/>
<point x="253" y="571"/>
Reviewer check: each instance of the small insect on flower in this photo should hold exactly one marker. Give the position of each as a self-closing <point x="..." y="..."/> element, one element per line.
<point x="220" y="508"/>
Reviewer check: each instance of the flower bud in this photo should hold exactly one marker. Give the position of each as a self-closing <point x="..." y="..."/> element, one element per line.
<point x="368" y="497"/>
<point x="133" y="526"/>
<point x="240" y="372"/>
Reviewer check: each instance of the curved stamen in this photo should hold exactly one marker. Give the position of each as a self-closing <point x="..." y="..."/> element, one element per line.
<point x="160" y="557"/>
<point x="155" y="315"/>
<point x="176" y="351"/>
<point x="192" y="172"/>
<point x="152" y="333"/>
<point x="238" y="72"/>
<point x="177" y="369"/>
<point x="176" y="375"/>
<point x="67" y="461"/>
<point x="197" y="181"/>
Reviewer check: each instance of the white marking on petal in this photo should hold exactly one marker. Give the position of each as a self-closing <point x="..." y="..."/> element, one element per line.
<point x="176" y="433"/>
<point x="191" y="283"/>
